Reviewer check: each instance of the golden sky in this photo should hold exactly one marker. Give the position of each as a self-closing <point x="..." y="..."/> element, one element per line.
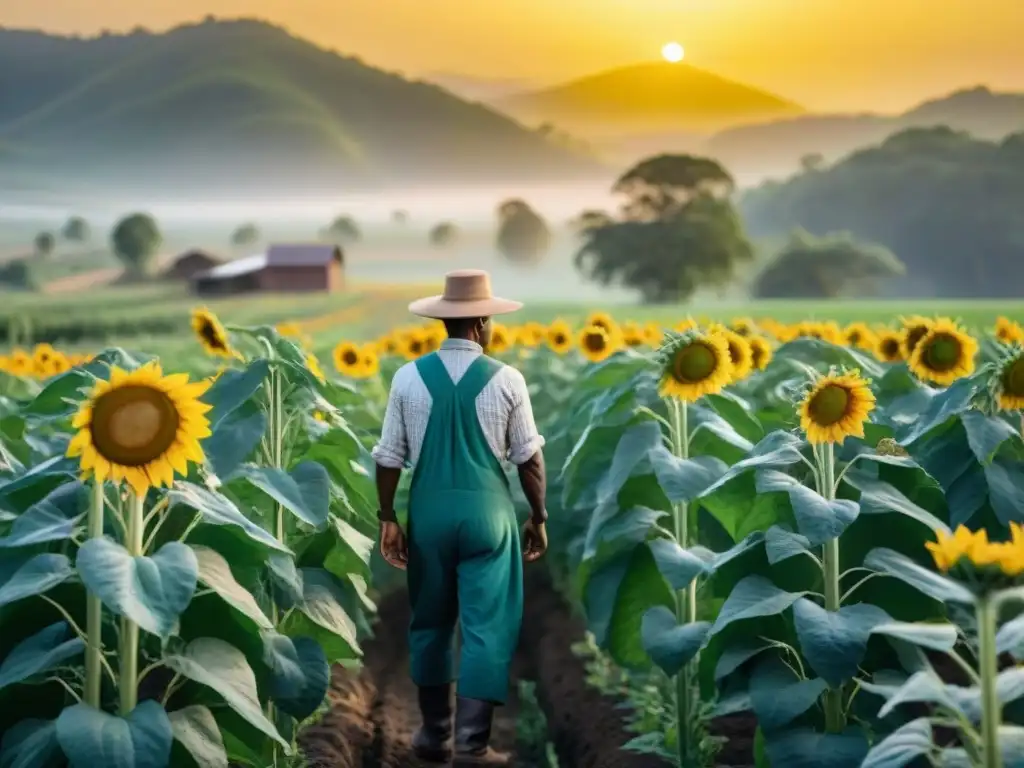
<point x="871" y="55"/>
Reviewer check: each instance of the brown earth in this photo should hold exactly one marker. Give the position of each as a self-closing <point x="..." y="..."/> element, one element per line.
<point x="374" y="711"/>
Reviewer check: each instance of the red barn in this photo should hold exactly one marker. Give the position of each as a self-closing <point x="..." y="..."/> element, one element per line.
<point x="283" y="268"/>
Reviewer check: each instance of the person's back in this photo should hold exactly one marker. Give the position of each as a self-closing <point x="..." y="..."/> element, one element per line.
<point x="454" y="416"/>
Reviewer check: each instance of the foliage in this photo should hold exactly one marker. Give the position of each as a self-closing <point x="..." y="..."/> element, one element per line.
<point x="676" y="232"/>
<point x="246" y="234"/>
<point x="17" y="274"/>
<point x="75" y="229"/>
<point x="825" y="268"/>
<point x="135" y="240"/>
<point x="342" y="230"/>
<point x="44" y="244"/>
<point x="523" y="235"/>
<point x="443" y="234"/>
<point x="945" y="202"/>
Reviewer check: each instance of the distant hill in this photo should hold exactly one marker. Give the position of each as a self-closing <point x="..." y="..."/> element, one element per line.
<point x="479" y="88"/>
<point x="775" y="148"/>
<point x="223" y="104"/>
<point x="648" y="98"/>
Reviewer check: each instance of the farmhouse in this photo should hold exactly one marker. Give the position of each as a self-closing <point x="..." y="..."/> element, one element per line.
<point x="283" y="268"/>
<point x="190" y="264"/>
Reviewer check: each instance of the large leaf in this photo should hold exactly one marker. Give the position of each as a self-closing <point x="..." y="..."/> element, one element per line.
<point x="305" y="491"/>
<point x="677" y="565"/>
<point x="215" y="572"/>
<point x="924" y="687"/>
<point x="778" y="696"/>
<point x="683" y="480"/>
<point x="817" y="518"/>
<point x="30" y="744"/>
<point x="52" y="518"/>
<point x="233" y="388"/>
<point x="804" y="748"/>
<point x="235" y="438"/>
<point x="633" y="447"/>
<point x="936" y="637"/>
<point x="834" y="643"/>
<point x="930" y="583"/>
<point x="879" y="497"/>
<point x="300" y="674"/>
<point x="670" y="644"/>
<point x="780" y="544"/>
<point x="776" y="451"/>
<point x="753" y="597"/>
<point x="217" y="509"/>
<point x="349" y="465"/>
<point x="197" y="731"/>
<point x="26" y="576"/>
<point x="901" y="747"/>
<point x="327" y="612"/>
<point x="39" y="653"/>
<point x="351" y="551"/>
<point x="151" y="591"/>
<point x="91" y="737"/>
<point x="222" y="667"/>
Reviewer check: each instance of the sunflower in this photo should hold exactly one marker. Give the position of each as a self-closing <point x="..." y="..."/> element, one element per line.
<point x="369" y="361"/>
<point x="760" y="352"/>
<point x="141" y="427"/>
<point x="348" y="359"/>
<point x="1010" y="380"/>
<point x="860" y="336"/>
<point x="633" y="335"/>
<point x="20" y="363"/>
<point x="595" y="344"/>
<point x="559" y="337"/>
<point x="836" y="407"/>
<point x="387" y="345"/>
<point x="944" y="354"/>
<point x="740" y="353"/>
<point x="744" y="326"/>
<point x="694" y="364"/>
<point x="889" y="346"/>
<point x="413" y="344"/>
<point x="1008" y="331"/>
<point x="914" y="329"/>
<point x="314" y="367"/>
<point x="602" y="320"/>
<point x="42" y="357"/>
<point x="501" y="339"/>
<point x="211" y="333"/>
<point x="433" y="337"/>
<point x="685" y="325"/>
<point x="532" y="334"/>
<point x="653" y="334"/>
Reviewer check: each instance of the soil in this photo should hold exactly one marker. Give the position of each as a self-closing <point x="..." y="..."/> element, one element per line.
<point x="374" y="711"/>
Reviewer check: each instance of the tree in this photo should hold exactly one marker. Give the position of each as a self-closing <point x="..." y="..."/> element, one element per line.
<point x="247" y="234"/>
<point x="135" y="240"/>
<point x="76" y="229"/>
<point x="677" y="230"/>
<point x="443" y="234"/>
<point x="523" y="235"/>
<point x="588" y="220"/>
<point x="400" y="217"/>
<point x="342" y="230"/>
<point x="17" y="274"/>
<point x="836" y="265"/>
<point x="44" y="243"/>
<point x="814" y="161"/>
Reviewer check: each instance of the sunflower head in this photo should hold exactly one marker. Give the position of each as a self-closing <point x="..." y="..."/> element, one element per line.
<point x="633" y="335"/>
<point x="368" y="364"/>
<point x="1008" y="331"/>
<point x="744" y="326"/>
<point x="913" y="330"/>
<point x="602" y="320"/>
<point x="685" y="325"/>
<point x="944" y="354"/>
<point x="860" y="336"/>
<point x="501" y="339"/>
<point x="141" y="427"/>
<point x="348" y="359"/>
<point x="595" y="344"/>
<point x="694" y="364"/>
<point x="211" y="333"/>
<point x="387" y="345"/>
<point x="760" y="352"/>
<point x="740" y="353"/>
<point x="889" y="346"/>
<point x="1007" y="385"/>
<point x="654" y="335"/>
<point x="412" y="344"/>
<point x="314" y="367"/>
<point x="559" y="337"/>
<point x="836" y="407"/>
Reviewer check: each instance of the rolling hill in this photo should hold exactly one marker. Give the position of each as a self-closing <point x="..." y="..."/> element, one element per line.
<point x="648" y="98"/>
<point x="775" y="148"/>
<point x="222" y="104"/>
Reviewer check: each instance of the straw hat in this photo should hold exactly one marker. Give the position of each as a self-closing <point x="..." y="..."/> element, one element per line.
<point x="467" y="293"/>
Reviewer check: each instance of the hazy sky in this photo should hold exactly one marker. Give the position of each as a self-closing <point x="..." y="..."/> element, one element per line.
<point x="827" y="54"/>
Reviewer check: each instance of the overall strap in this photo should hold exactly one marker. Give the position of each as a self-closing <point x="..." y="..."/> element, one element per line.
<point x="435" y="376"/>
<point x="477" y="376"/>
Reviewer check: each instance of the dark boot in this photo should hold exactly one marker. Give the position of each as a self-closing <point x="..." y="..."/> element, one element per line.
<point x="473" y="719"/>
<point x="432" y="742"/>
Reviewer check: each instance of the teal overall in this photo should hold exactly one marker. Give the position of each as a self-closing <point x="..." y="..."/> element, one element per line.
<point x="465" y="562"/>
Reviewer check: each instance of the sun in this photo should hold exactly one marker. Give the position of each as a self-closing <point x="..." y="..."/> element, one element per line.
<point x="672" y="52"/>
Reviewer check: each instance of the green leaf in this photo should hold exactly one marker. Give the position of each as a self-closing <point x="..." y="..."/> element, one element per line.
<point x="53" y="518"/>
<point x="197" y="731"/>
<point x="924" y="687"/>
<point x="711" y="435"/>
<point x="834" y="643"/>
<point x="635" y="444"/>
<point x="817" y="518"/>
<point x="683" y="480"/>
<point x="233" y="388"/>
<point x="27" y="576"/>
<point x="804" y="748"/>
<point x="930" y="583"/>
<point x="677" y="565"/>
<point x="223" y="668"/>
<point x="669" y="644"/>
<point x="40" y="479"/>
<point x="738" y="413"/>
<point x="937" y="637"/>
<point x="237" y="435"/>
<point x="217" y="509"/>
<point x="780" y="544"/>
<point x="985" y="434"/>
<point x="753" y="597"/>
<point x="286" y="579"/>
<point x="878" y="497"/>
<point x="326" y="613"/>
<point x="778" y="696"/>
<point x="39" y="653"/>
<point x="351" y="551"/>
<point x="91" y="737"/>
<point x="901" y="747"/>
<point x="1010" y="637"/>
<point x="61" y="395"/>
<point x="1005" y="478"/>
<point x="735" y="656"/>
<point x="30" y="744"/>
<point x="305" y="491"/>
<point x="300" y="674"/>
<point x="151" y="591"/>
<point x="349" y="465"/>
<point x="215" y="572"/>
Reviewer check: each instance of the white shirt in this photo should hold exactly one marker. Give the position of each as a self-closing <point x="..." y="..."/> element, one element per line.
<point x="502" y="407"/>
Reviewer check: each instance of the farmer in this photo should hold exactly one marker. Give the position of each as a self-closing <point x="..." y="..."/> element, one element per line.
<point x="455" y="416"/>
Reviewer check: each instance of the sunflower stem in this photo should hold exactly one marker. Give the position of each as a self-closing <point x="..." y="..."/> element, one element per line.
<point x="835" y="717"/>
<point x="277" y="428"/>
<point x="986" y="611"/>
<point x="685" y="599"/>
<point x="94" y="608"/>
<point x="129" y="650"/>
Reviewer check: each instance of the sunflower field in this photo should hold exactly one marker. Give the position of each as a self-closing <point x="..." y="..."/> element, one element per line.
<point x="814" y="527"/>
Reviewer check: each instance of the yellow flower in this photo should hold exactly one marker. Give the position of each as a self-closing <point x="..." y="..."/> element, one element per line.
<point x="141" y="427"/>
<point x="20" y="363"/>
<point x="501" y="339"/>
<point x="348" y="359"/>
<point x="1008" y="331"/>
<point x="369" y="362"/>
<point x="653" y="334"/>
<point x="559" y="337"/>
<point x="740" y="353"/>
<point x="860" y="336"/>
<point x="744" y="326"/>
<point x="603" y="320"/>
<point x="1010" y="381"/>
<point x="914" y="329"/>
<point x="211" y="333"/>
<point x="695" y="364"/>
<point x="388" y="344"/>
<point x="595" y="344"/>
<point x="836" y="407"/>
<point x="633" y="335"/>
<point x="889" y="346"/>
<point x="314" y="367"/>
<point x="760" y="352"/>
<point x="532" y="334"/>
<point x="944" y="354"/>
<point x="685" y="325"/>
<point x="948" y="550"/>
<point x="413" y="344"/>
<point x="433" y="337"/>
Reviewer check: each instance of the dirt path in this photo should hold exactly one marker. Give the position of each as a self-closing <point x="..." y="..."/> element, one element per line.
<point x="374" y="712"/>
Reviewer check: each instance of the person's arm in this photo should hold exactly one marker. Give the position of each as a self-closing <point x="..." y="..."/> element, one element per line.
<point x="533" y="477"/>
<point x="390" y="456"/>
<point x="524" y="449"/>
<point x="387" y="485"/>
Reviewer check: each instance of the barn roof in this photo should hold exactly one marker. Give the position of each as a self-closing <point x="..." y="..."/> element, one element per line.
<point x="244" y="266"/>
<point x="302" y="255"/>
